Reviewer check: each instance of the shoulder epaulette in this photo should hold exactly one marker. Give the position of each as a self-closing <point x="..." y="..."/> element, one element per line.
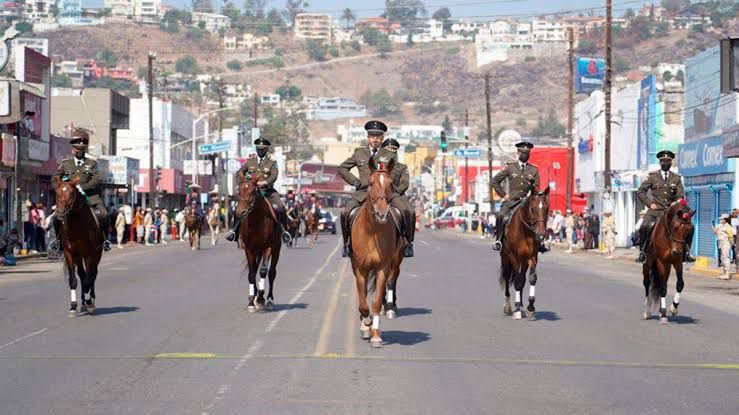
<point x="67" y="159"/>
<point x="251" y="156"/>
<point x="511" y="162"/>
<point x="534" y="166"/>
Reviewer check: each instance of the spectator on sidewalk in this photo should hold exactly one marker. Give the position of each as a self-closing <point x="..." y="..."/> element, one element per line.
<point x="148" y="224"/>
<point x="594" y="230"/>
<point x="635" y="234"/>
<point x="569" y="227"/>
<point x="163" y="225"/>
<point x="39" y="228"/>
<point x="724" y="236"/>
<point x="180" y="219"/>
<point x="587" y="236"/>
<point x="7" y="245"/>
<point x="559" y="229"/>
<point x="120" y="227"/>
<point x="609" y="233"/>
<point x="138" y="223"/>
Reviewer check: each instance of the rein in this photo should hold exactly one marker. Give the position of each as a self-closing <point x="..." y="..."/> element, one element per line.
<point x="530" y="226"/>
<point x="670" y="233"/>
<point x="375" y="199"/>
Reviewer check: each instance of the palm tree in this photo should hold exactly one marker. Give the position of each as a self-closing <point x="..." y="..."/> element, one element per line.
<point x="348" y="15"/>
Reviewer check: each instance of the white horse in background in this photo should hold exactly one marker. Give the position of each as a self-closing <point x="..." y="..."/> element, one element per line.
<point x="214" y="222"/>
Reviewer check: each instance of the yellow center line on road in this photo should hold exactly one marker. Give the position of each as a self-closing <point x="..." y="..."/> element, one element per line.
<point x="328" y="318"/>
<point x="401" y="359"/>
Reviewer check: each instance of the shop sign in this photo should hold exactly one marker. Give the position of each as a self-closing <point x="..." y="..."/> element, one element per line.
<point x="702" y="157"/>
<point x="38" y="150"/>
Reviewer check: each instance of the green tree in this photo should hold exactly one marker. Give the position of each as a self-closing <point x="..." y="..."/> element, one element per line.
<point x="61" y="81"/>
<point x="234" y="65"/>
<point x="317" y="50"/>
<point x="384" y="46"/>
<point x="177" y="15"/>
<point x="333" y="51"/>
<point x="255" y="8"/>
<point x="24" y="27"/>
<point x="698" y="28"/>
<point x="629" y="15"/>
<point x="405" y="12"/>
<point x="380" y="103"/>
<point x="293" y="8"/>
<point x="549" y="126"/>
<point x="187" y="65"/>
<point x="289" y="92"/>
<point x="662" y="30"/>
<point x="370" y="35"/>
<point x="621" y="65"/>
<point x="680" y="76"/>
<point x="348" y="16"/>
<point x="230" y="10"/>
<point x="107" y="57"/>
<point x="201" y="25"/>
<point x="444" y="15"/>
<point x="409" y="40"/>
<point x="169" y="27"/>
<point x="587" y="47"/>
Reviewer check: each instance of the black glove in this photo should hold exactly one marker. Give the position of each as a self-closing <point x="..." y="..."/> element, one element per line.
<point x="357" y="184"/>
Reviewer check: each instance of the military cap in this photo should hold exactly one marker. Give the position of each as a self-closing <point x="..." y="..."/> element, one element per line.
<point x="80" y="136"/>
<point x="375" y="127"/>
<point x="391" y="144"/>
<point x="524" y="146"/>
<point x="666" y="154"/>
<point x="262" y="142"/>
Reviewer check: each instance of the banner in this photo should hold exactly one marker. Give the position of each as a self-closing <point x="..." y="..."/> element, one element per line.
<point x="590" y="75"/>
<point x="646" y="119"/>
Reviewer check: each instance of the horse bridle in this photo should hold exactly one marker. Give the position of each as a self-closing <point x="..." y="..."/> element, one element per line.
<point x="532" y="226"/>
<point x="251" y="205"/>
<point x="669" y="231"/>
<point x="373" y="200"/>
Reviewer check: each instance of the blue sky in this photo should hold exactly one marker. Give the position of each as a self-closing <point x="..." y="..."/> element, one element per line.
<point x="482" y="9"/>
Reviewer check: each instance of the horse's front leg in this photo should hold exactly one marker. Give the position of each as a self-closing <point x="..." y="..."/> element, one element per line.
<point x="252" y="263"/>
<point x="532" y="289"/>
<point x="360" y="277"/>
<point x="376" y="340"/>
<point x="91" y="269"/>
<point x="646" y="273"/>
<point x="391" y="305"/>
<point x="519" y="281"/>
<point x="505" y="280"/>
<point x="679" y="288"/>
<point x="69" y="269"/>
<point x="264" y="264"/>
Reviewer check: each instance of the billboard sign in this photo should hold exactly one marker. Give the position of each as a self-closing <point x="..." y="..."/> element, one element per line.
<point x="590" y="75"/>
<point x="703" y="157"/>
<point x="646" y="122"/>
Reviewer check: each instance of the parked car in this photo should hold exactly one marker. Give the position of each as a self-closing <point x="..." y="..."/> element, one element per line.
<point x="327" y="223"/>
<point x="451" y="218"/>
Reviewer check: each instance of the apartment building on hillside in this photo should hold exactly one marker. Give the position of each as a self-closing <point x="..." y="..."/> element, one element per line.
<point x="120" y="8"/>
<point x="313" y="26"/>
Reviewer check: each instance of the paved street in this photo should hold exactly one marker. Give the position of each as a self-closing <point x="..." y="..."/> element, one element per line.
<point x="172" y="335"/>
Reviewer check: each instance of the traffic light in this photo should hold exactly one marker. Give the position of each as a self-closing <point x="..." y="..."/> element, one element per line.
<point x="158" y="176"/>
<point x="444" y="144"/>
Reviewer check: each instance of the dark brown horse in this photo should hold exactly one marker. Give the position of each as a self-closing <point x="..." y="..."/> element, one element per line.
<point x="260" y="234"/>
<point x="194" y="224"/>
<point x="81" y="240"/>
<point x="294" y="221"/>
<point x="378" y="249"/>
<point x="519" y="256"/>
<point x="666" y="249"/>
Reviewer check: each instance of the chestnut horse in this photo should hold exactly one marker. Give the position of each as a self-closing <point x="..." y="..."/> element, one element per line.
<point x="311" y="226"/>
<point x="378" y="249"/>
<point x="527" y="228"/>
<point x="81" y="240"/>
<point x="260" y="235"/>
<point x="666" y="249"/>
<point x="194" y="225"/>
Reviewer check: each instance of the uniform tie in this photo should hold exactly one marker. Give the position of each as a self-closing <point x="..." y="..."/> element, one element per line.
<point x="664" y="174"/>
<point x="78" y="162"/>
<point x="374" y="151"/>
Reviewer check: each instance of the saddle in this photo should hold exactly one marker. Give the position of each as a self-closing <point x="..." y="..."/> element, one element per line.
<point x="395" y="214"/>
<point x="515" y="205"/>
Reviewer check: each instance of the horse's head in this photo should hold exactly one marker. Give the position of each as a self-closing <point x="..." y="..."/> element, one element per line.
<point x="380" y="187"/>
<point x="539" y="212"/>
<point x="67" y="195"/>
<point x="680" y="226"/>
<point x="248" y="194"/>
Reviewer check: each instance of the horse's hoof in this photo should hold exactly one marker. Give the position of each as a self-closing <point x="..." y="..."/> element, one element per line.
<point x="531" y="315"/>
<point x="646" y="316"/>
<point x="72" y="313"/>
<point x="390" y="314"/>
<point x="251" y="309"/>
<point x="663" y="320"/>
<point x="673" y="310"/>
<point x="91" y="310"/>
<point x="507" y="309"/>
<point x="517" y="315"/>
<point x="269" y="306"/>
<point x="376" y="342"/>
<point x="193" y="248"/>
<point x="365" y="334"/>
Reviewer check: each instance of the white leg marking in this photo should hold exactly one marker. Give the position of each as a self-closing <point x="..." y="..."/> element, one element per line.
<point x="662" y="302"/>
<point x="532" y="291"/>
<point x="389" y="296"/>
<point x="677" y="298"/>
<point x="518" y="296"/>
<point x="261" y="283"/>
<point x="87" y="297"/>
<point x="376" y="320"/>
<point x="251" y="289"/>
<point x="73" y="295"/>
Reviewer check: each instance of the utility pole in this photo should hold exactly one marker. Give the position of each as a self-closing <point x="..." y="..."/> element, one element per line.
<point x="17" y="180"/>
<point x="570" y="116"/>
<point x="609" y="65"/>
<point x="219" y="165"/>
<point x="466" y="143"/>
<point x="150" y="91"/>
<point x="256" y="109"/>
<point x="490" y="143"/>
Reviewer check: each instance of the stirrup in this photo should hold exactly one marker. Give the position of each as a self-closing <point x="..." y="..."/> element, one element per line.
<point x="55" y="245"/>
<point x="230" y="235"/>
<point x="497" y="246"/>
<point x="346" y="250"/>
<point x="642" y="257"/>
<point x="106" y="245"/>
<point x="408" y="252"/>
<point x="286" y="238"/>
<point x="688" y="258"/>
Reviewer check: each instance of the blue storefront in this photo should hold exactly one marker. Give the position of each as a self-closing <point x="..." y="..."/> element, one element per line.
<point x="709" y="180"/>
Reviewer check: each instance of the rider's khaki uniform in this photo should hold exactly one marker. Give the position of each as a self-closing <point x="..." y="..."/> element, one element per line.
<point x="655" y="189"/>
<point x="520" y="181"/>
<point x="89" y="181"/>
<point x="268" y="169"/>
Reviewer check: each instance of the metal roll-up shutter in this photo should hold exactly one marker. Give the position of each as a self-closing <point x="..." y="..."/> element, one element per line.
<point x="706" y="241"/>
<point x="724" y="202"/>
<point x="692" y="198"/>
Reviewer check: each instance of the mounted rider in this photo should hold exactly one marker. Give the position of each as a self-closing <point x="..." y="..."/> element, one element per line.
<point x="264" y="165"/>
<point x="360" y="159"/>
<point x="89" y="184"/>
<point x="313" y="206"/>
<point x="658" y="192"/>
<point x="401" y="182"/>
<point x="192" y="199"/>
<point x="523" y="177"/>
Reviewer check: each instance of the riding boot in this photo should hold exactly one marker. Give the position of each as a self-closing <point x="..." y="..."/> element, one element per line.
<point x="232" y="234"/>
<point x="643" y="230"/>
<point x="688" y="257"/>
<point x="346" y="235"/>
<point x="103" y="226"/>
<point x="499" y="229"/>
<point x="282" y="216"/>
<point x="410" y="231"/>
<point x="56" y="244"/>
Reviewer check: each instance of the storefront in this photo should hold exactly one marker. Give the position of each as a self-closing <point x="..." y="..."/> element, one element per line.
<point x="709" y="180"/>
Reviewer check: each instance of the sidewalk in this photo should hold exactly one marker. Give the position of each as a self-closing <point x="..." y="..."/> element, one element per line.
<point x="704" y="267"/>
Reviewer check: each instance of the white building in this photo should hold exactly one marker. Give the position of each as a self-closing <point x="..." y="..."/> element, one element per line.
<point x="38" y="11"/>
<point x="212" y="22"/>
<point x="467" y="26"/>
<point x="147" y="10"/>
<point x="313" y="26"/>
<point x="332" y="108"/>
<point x="120" y="8"/>
<point x="245" y="41"/>
<point x="548" y="30"/>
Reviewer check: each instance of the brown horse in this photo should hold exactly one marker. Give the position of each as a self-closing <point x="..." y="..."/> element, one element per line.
<point x="194" y="224"/>
<point x="378" y="249"/>
<point x="519" y="256"/>
<point x="260" y="234"/>
<point x="81" y="240"/>
<point x="666" y="249"/>
<point x="311" y="226"/>
<point x="294" y="220"/>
